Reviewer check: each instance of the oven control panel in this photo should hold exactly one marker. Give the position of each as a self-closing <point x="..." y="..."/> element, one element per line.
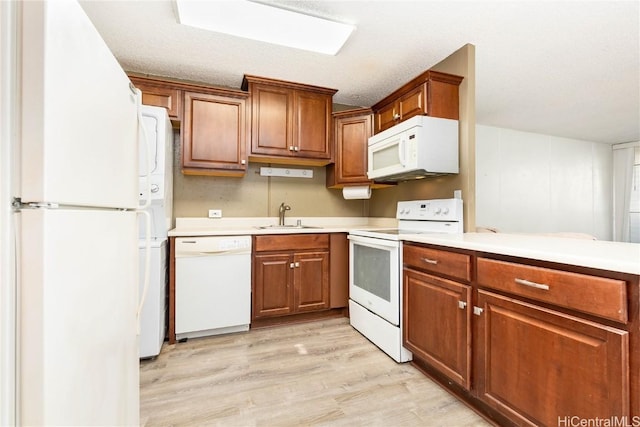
<point x="430" y="210"/>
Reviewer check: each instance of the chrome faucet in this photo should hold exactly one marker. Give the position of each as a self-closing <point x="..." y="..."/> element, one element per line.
<point x="281" y="212"/>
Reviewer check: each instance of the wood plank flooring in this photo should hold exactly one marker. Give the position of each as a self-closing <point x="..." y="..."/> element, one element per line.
<point x="321" y="373"/>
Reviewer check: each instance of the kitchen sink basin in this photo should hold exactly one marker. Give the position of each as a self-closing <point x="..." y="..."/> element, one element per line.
<point x="284" y="227"/>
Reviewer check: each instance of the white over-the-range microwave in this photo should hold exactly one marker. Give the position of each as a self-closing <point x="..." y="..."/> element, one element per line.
<point x="416" y="148"/>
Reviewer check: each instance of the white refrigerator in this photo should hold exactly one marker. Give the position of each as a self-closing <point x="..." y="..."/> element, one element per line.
<point x="70" y="256"/>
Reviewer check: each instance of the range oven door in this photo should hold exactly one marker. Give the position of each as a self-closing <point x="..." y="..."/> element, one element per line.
<point x="374" y="276"/>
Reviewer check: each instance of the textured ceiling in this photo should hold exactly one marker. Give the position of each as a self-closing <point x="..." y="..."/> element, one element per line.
<point x="565" y="68"/>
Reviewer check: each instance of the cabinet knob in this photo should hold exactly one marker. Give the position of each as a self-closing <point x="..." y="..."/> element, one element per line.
<point x="462" y="305"/>
<point x="296" y="148"/>
<point x="297" y="264"/>
<point x="291" y="265"/>
<point x="396" y="116"/>
<point x="243" y="162"/>
<point x="291" y="148"/>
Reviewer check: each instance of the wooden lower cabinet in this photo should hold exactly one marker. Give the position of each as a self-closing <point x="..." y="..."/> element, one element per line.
<point x="437" y="323"/>
<point x="539" y="367"/>
<point x="272" y="278"/>
<point x="524" y="342"/>
<point x="287" y="280"/>
<point x="311" y="281"/>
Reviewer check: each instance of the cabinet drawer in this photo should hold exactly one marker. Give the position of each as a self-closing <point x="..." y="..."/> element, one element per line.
<point x="589" y="294"/>
<point x="297" y="242"/>
<point x="443" y="262"/>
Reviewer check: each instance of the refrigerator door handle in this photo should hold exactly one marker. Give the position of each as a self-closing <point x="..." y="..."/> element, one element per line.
<point x="142" y="130"/>
<point x="147" y="264"/>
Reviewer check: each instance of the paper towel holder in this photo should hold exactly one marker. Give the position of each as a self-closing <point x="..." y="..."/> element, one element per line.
<point x="356" y="192"/>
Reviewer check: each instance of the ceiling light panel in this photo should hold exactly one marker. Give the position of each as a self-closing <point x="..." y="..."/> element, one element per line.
<point x="269" y="24"/>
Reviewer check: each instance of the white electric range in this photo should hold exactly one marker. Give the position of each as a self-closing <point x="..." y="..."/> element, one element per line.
<point x="375" y="269"/>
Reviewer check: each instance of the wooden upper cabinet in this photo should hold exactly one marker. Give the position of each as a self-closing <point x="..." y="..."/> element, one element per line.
<point x="351" y="132"/>
<point x="312" y="125"/>
<point x="431" y="93"/>
<point x="214" y="133"/>
<point x="272" y="120"/>
<point x="160" y="94"/>
<point x="291" y="122"/>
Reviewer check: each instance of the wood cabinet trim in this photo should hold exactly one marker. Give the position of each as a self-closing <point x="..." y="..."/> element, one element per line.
<point x="250" y="79"/>
<point x="345" y="114"/>
<point x="187" y="86"/>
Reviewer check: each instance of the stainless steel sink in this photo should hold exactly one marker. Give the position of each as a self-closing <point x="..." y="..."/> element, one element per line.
<point x="285" y="227"/>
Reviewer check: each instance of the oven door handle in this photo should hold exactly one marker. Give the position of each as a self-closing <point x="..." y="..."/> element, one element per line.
<point x="374" y="243"/>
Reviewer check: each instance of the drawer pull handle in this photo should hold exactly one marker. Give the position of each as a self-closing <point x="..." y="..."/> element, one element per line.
<point x="430" y="261"/>
<point x="532" y="284"/>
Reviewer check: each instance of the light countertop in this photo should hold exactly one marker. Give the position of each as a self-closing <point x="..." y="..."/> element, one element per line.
<point x="605" y="255"/>
<point x="600" y="254"/>
<point x="250" y="225"/>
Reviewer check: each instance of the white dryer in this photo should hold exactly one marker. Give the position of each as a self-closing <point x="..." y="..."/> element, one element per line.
<point x="159" y="135"/>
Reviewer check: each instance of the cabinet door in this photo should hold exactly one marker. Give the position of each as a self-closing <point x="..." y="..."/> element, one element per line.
<point x="214" y="133"/>
<point x="387" y="116"/>
<point x="272" y="120"/>
<point x="352" y="136"/>
<point x="159" y="96"/>
<point x="437" y="323"/>
<point x="312" y="125"/>
<point x="272" y="293"/>
<point x="311" y="278"/>
<point x="538" y="366"/>
<point x="413" y="103"/>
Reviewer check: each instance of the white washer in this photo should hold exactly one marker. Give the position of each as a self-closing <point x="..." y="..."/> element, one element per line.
<point x="153" y="316"/>
<point x="159" y="135"/>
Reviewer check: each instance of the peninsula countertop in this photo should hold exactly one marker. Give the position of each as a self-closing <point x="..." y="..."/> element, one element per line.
<point x="600" y="254"/>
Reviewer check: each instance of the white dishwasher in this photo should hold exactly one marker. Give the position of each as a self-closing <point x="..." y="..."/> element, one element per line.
<point x="213" y="285"/>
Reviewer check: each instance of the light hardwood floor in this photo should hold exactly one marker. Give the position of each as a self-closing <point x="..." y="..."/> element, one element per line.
<point x="320" y="373"/>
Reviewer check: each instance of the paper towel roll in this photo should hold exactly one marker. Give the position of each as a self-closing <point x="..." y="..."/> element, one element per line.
<point x="356" y="192"/>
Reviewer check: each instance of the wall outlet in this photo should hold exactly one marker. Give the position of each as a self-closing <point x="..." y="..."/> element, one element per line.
<point x="215" y="213"/>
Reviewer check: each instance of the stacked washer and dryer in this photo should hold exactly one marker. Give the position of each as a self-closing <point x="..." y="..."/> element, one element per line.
<point x="159" y="134"/>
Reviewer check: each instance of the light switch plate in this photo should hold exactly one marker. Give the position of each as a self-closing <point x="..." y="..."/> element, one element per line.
<point x="215" y="213"/>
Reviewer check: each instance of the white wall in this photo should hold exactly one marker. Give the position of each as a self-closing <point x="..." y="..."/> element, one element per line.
<point x="527" y="182"/>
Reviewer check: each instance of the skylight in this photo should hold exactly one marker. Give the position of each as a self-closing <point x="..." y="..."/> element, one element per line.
<point x="265" y="23"/>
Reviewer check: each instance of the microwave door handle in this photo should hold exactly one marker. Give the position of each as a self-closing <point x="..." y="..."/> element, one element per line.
<point x="401" y="151"/>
